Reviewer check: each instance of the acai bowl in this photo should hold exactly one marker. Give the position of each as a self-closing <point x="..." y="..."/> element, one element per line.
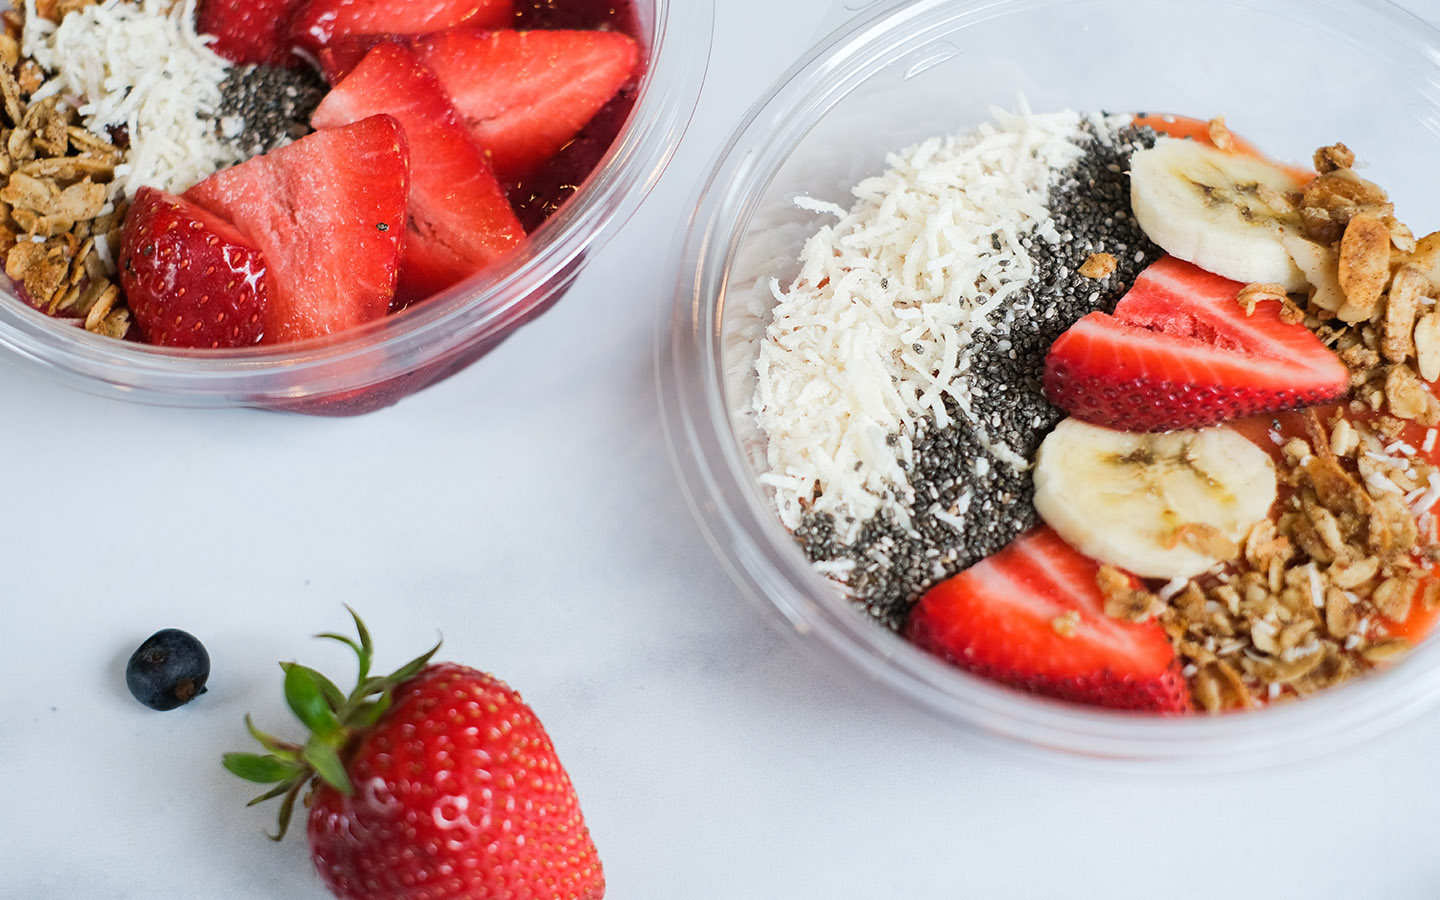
<point x="860" y="109"/>
<point x="583" y="183"/>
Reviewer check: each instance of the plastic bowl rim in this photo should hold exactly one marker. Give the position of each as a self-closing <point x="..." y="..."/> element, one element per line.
<point x="486" y="305"/>
<point x="742" y="529"/>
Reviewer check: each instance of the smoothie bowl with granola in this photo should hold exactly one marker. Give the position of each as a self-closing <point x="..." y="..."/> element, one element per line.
<point x="319" y="206"/>
<point x="1097" y="428"/>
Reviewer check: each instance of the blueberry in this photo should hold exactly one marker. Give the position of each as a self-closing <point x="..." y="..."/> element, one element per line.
<point x="168" y="670"/>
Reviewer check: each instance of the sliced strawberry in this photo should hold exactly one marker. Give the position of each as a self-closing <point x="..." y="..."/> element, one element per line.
<point x="328" y="212"/>
<point x="1032" y="617"/>
<point x="613" y="15"/>
<point x="1180" y="352"/>
<point x="545" y="190"/>
<point x="343" y="54"/>
<point x="319" y="22"/>
<point x="249" y="31"/>
<point x="190" y="278"/>
<point x="459" y="220"/>
<point x="524" y="94"/>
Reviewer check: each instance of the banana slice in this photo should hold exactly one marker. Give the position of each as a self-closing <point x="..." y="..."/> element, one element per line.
<point x="1223" y="212"/>
<point x="1158" y="505"/>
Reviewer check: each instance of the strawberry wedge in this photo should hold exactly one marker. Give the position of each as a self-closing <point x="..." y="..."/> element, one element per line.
<point x="190" y="278"/>
<point x="340" y="57"/>
<point x="1180" y="352"/>
<point x="328" y="213"/>
<point x="1033" y="617"/>
<point x="249" y="31"/>
<point x="318" y="22"/>
<point x="524" y="94"/>
<point x="459" y="220"/>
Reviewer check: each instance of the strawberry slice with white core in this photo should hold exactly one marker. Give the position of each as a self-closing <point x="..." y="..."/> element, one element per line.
<point x="1180" y="352"/>
<point x="328" y="213"/>
<point x="319" y="22"/>
<point x="459" y="220"/>
<point x="1033" y="617"/>
<point x="524" y="94"/>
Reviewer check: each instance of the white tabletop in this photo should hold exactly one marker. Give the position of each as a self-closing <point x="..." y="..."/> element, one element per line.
<point x="526" y="510"/>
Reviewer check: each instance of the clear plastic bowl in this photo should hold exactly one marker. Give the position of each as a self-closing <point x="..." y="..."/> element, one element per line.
<point x="375" y="365"/>
<point x="1292" y="75"/>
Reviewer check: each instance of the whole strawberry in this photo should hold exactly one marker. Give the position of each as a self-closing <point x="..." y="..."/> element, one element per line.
<point x="436" y="781"/>
<point x="190" y="278"/>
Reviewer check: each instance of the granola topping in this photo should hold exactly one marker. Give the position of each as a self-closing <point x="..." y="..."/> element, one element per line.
<point x="1315" y="596"/>
<point x="57" y="221"/>
<point x="1309" y="600"/>
<point x="1098" y="265"/>
<point x="67" y="169"/>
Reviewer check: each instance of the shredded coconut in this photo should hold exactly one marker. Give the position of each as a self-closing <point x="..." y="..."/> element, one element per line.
<point x="868" y="339"/>
<point x="139" y="66"/>
<point x="1172" y="588"/>
<point x="1380" y="483"/>
<point x="836" y="568"/>
<point x="102" y="249"/>
<point x="1421" y="505"/>
<point x="1317" y="590"/>
<point x="955" y="522"/>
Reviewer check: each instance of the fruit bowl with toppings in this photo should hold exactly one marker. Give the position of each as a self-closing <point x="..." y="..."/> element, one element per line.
<point x="1047" y="376"/>
<point x="318" y="206"/>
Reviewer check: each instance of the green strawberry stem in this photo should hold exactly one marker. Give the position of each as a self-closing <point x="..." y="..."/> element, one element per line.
<point x="333" y="719"/>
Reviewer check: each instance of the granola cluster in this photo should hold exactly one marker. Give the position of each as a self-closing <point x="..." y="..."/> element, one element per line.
<point x="1314" y="596"/>
<point x="1373" y="289"/>
<point x="1318" y="593"/>
<point x="58" y="221"/>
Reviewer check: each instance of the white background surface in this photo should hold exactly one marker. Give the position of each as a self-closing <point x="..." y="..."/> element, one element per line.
<point x="526" y="509"/>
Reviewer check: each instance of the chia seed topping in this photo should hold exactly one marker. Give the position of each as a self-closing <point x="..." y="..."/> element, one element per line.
<point x="957" y="481"/>
<point x="263" y="107"/>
